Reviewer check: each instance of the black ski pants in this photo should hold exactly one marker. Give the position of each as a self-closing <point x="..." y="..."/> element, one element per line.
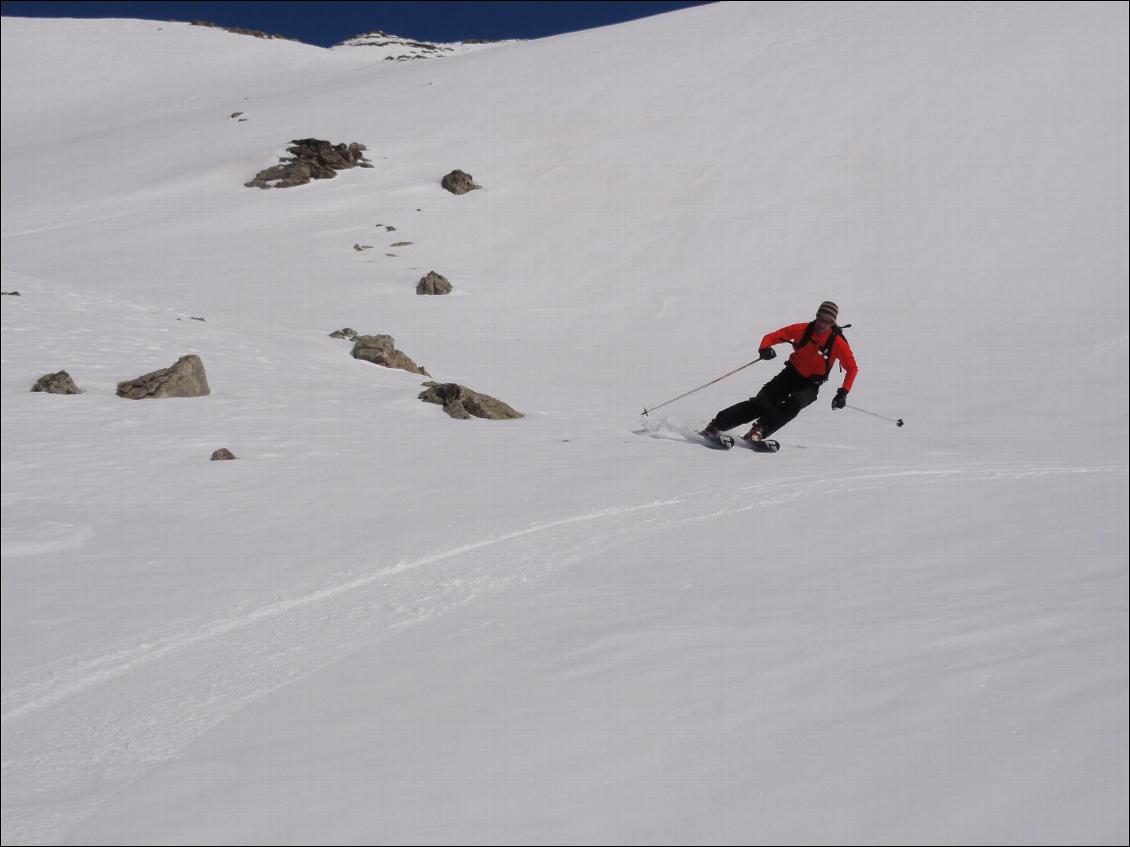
<point x="778" y="402"/>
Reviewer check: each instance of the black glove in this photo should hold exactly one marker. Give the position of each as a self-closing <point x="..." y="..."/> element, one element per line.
<point x="768" y="353"/>
<point x="840" y="400"/>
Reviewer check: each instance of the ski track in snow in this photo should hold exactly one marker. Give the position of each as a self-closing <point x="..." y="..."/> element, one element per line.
<point x="105" y="668"/>
<point x="193" y="679"/>
<point x="65" y="683"/>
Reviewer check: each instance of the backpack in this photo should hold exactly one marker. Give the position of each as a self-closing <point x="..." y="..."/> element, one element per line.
<point x="826" y="350"/>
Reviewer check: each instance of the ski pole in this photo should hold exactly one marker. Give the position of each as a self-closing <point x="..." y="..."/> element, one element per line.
<point x="897" y="422"/>
<point x="693" y="390"/>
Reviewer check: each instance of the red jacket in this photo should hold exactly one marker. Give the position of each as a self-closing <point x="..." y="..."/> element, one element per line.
<point x="809" y="360"/>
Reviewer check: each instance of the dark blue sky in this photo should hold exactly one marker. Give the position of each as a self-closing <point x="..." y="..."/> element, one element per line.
<point x="330" y="21"/>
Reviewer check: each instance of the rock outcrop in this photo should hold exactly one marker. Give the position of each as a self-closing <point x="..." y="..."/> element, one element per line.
<point x="458" y="182"/>
<point x="185" y="378"/>
<point x="223" y="455"/>
<point x="381" y="350"/>
<point x="395" y="48"/>
<point x="311" y="158"/>
<point x="462" y="402"/>
<point x="56" y="383"/>
<point x="433" y="283"/>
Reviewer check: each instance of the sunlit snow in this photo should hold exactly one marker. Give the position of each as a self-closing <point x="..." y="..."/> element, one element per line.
<point x="381" y="625"/>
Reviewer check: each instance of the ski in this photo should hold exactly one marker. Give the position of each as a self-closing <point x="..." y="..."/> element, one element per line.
<point x="723" y="441"/>
<point x="766" y="446"/>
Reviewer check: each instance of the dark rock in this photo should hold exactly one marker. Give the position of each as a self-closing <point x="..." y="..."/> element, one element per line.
<point x="10" y="293"/>
<point x="461" y="402"/>
<point x="433" y="283"/>
<point x="223" y="454"/>
<point x="186" y="378"/>
<point x="311" y="158"/>
<point x="56" y="383"/>
<point x="344" y="332"/>
<point x="381" y="350"/>
<point x="458" y="182"/>
<point x="281" y="176"/>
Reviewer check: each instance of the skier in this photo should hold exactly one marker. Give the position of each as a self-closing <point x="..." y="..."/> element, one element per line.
<point x="816" y="346"/>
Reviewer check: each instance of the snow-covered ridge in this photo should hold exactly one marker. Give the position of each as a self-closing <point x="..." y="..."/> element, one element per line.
<point x="241" y="30"/>
<point x="400" y="49"/>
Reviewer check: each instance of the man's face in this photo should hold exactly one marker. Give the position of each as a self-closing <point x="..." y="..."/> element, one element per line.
<point x="823" y="322"/>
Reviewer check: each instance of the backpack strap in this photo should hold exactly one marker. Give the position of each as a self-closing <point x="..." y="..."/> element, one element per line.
<point x="826" y="350"/>
<point x="837" y="332"/>
<point x="804" y="339"/>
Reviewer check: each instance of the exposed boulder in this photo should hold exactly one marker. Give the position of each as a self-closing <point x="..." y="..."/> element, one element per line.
<point x="344" y="332"/>
<point x="462" y="403"/>
<point x="56" y="383"/>
<point x="286" y="175"/>
<point x="433" y="283"/>
<point x="223" y="455"/>
<point x="311" y="158"/>
<point x="381" y="350"/>
<point x="458" y="182"/>
<point x="186" y="378"/>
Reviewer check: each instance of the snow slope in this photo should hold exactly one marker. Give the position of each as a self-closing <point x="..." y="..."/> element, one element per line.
<point x="381" y="625"/>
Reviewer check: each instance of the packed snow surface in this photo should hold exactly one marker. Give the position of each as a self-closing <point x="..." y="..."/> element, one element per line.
<point x="381" y="625"/>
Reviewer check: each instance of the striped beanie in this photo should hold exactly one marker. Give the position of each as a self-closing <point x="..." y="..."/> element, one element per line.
<point x="830" y="309"/>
